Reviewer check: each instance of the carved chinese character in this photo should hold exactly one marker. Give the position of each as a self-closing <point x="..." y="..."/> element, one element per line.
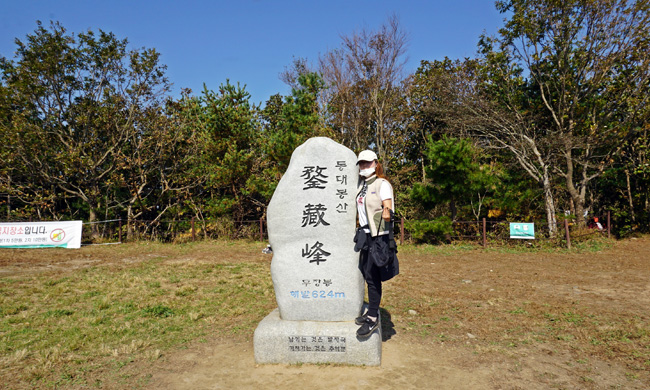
<point x="316" y="253"/>
<point x="314" y="177"/>
<point x="313" y="215"/>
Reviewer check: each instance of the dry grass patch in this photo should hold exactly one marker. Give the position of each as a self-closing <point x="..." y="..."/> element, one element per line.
<point x="590" y="302"/>
<point x="104" y="322"/>
<point x="62" y="329"/>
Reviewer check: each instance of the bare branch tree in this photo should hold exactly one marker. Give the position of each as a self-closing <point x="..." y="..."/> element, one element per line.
<point x="459" y="98"/>
<point x="589" y="62"/>
<point x="365" y="95"/>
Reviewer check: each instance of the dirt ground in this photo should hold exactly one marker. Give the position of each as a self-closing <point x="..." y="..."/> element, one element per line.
<point x="470" y="296"/>
<point x="613" y="279"/>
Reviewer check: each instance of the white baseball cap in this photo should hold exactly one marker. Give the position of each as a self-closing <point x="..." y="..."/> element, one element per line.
<point x="367" y="155"/>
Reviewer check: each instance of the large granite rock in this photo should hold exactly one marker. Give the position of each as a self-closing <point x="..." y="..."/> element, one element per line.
<point x="318" y="285"/>
<point x="280" y="341"/>
<point x="311" y="225"/>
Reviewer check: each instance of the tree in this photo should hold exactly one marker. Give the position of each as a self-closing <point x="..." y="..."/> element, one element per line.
<point x="489" y="101"/>
<point x="454" y="176"/>
<point x="155" y="170"/>
<point x="76" y="101"/>
<point x="228" y="131"/>
<point x="289" y="122"/>
<point x="294" y="120"/>
<point x="291" y="74"/>
<point x="588" y="64"/>
<point x="561" y="89"/>
<point x="365" y="88"/>
<point x="625" y="186"/>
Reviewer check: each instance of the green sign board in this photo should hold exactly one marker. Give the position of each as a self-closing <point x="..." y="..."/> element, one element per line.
<point x="522" y="230"/>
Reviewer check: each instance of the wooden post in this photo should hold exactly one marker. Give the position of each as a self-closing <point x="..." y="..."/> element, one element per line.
<point x="609" y="225"/>
<point x="568" y="236"/>
<point x="193" y="232"/>
<point x="119" y="234"/>
<point x="401" y="231"/>
<point x="484" y="235"/>
<point x="261" y="229"/>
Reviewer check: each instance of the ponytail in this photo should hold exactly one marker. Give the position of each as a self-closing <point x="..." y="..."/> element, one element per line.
<point x="379" y="171"/>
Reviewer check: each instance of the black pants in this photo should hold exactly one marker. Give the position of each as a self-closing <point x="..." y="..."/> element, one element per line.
<point x="373" y="278"/>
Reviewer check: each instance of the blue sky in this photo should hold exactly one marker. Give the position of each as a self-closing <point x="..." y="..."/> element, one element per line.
<point x="252" y="41"/>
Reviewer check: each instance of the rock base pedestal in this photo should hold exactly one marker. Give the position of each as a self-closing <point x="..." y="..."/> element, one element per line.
<point x="281" y="341"/>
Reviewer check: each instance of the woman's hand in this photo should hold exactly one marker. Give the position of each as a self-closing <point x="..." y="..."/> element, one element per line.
<point x="386" y="214"/>
<point x="388" y="205"/>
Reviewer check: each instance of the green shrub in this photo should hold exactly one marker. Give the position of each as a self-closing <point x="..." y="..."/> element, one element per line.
<point x="436" y="231"/>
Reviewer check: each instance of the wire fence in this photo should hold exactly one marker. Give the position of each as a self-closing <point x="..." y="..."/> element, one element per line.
<point x="174" y="231"/>
<point x="487" y="232"/>
<point x="483" y="232"/>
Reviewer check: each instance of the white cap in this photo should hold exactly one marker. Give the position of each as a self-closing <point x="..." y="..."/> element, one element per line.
<point x="367" y="155"/>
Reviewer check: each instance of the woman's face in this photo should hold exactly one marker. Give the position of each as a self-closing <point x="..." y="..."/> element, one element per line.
<point x="367" y="164"/>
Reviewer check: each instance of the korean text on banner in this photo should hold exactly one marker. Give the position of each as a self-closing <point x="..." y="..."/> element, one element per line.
<point x="522" y="230"/>
<point x="61" y="234"/>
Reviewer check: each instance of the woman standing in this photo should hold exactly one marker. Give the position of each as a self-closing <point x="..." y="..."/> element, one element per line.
<point x="375" y="206"/>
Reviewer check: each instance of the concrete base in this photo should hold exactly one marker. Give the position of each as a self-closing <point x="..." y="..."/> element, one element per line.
<point x="280" y="341"/>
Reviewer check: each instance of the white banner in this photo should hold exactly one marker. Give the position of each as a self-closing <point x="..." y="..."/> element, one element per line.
<point x="62" y="234"/>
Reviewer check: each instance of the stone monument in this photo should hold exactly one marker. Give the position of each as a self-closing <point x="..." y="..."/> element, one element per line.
<point x="318" y="286"/>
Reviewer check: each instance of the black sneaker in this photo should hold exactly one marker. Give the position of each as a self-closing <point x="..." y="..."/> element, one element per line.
<point x="361" y="319"/>
<point x="367" y="328"/>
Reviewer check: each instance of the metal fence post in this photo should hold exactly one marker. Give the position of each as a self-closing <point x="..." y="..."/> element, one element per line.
<point x="568" y="236"/>
<point x="484" y="235"/>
